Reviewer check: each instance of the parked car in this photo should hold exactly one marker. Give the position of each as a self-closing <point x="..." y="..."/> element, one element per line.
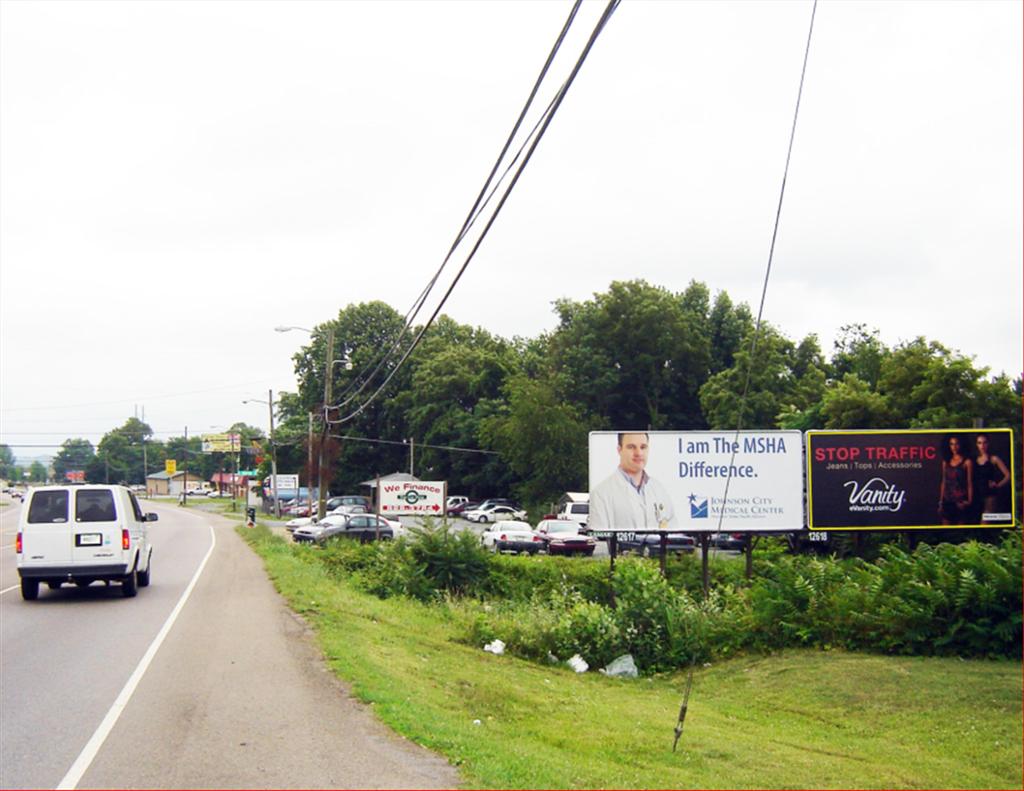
<point x="358" y="527"/>
<point x="349" y="504"/>
<point x="494" y="513"/>
<point x="511" y="536"/>
<point x="649" y="544"/>
<point x="497" y="501"/>
<point x="300" y="521"/>
<point x="310" y="532"/>
<point x="461" y="508"/>
<point x="216" y="493"/>
<point x="729" y="541"/>
<point x="454" y="500"/>
<point x="563" y="537"/>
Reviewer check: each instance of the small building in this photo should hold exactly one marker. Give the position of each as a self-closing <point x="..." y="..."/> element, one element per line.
<point x="160" y="483"/>
<point x="572" y="497"/>
<point x="229" y="484"/>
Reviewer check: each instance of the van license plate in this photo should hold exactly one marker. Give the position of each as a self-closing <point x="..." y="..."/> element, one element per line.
<point x="89" y="540"/>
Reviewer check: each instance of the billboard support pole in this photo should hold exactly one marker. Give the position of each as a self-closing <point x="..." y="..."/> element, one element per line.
<point x="663" y="553"/>
<point x="705" y="540"/>
<point x="748" y="550"/>
<point x="613" y="550"/>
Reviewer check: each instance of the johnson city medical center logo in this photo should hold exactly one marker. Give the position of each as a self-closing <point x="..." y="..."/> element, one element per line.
<point x="698" y="506"/>
<point x="875" y="495"/>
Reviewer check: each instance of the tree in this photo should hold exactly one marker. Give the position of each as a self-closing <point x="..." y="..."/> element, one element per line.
<point x="74" y="454"/>
<point x="635" y="356"/>
<point x="119" y="456"/>
<point x="8" y="470"/>
<point x="543" y="439"/>
<point x="37" y="472"/>
<point x="785" y="379"/>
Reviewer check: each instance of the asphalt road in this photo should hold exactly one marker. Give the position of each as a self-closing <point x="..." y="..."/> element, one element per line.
<point x="224" y="689"/>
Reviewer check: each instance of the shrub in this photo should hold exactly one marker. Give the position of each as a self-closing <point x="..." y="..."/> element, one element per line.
<point x="448" y="561"/>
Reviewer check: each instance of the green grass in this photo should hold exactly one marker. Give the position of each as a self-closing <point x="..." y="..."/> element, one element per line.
<point x="802" y="719"/>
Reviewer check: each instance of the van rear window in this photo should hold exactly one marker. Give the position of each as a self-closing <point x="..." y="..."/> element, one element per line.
<point x="94" y="505"/>
<point x="48" y="507"/>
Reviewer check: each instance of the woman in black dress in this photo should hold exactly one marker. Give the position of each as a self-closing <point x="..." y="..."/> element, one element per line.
<point x="990" y="476"/>
<point x="956" y="491"/>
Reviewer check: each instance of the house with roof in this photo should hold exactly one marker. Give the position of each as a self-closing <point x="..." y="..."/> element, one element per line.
<point x="160" y="483"/>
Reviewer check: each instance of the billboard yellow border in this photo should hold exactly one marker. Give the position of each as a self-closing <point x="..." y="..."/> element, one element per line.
<point x="848" y="432"/>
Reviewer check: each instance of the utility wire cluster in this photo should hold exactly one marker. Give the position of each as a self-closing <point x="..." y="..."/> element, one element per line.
<point x="367" y="385"/>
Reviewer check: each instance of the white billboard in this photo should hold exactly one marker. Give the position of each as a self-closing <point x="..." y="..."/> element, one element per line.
<point x="423" y="498"/>
<point x="676" y="481"/>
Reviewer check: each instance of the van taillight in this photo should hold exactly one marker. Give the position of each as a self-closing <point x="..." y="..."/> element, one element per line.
<point x="17" y="544"/>
<point x="126" y="540"/>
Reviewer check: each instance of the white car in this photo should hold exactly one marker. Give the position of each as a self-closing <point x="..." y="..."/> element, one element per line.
<point x="300" y="521"/>
<point x="494" y="513"/>
<point x="511" y="536"/>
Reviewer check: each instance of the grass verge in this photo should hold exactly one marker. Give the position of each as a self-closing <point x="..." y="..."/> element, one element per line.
<point x="802" y="719"/>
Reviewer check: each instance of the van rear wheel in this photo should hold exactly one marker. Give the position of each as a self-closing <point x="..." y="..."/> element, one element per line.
<point x="144" y="575"/>
<point x="29" y="589"/>
<point x="130" y="584"/>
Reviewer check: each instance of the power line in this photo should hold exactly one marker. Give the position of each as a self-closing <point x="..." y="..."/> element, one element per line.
<point x="418" y="444"/>
<point x="467" y="224"/>
<point x="553" y="108"/>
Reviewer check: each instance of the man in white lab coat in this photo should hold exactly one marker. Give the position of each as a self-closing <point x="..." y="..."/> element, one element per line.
<point x="629" y="498"/>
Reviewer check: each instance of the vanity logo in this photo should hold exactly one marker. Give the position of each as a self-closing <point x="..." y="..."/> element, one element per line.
<point x="875" y="495"/>
<point x="698" y="507"/>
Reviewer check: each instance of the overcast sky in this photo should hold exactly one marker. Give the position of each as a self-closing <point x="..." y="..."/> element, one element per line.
<point x="177" y="178"/>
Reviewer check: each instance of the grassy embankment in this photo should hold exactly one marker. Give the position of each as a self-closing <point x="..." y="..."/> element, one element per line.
<point x="802" y="719"/>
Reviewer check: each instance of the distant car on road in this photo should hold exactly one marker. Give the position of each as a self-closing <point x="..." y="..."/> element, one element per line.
<point x="494" y="513"/>
<point x="511" y="536"/>
<point x="563" y="537"/>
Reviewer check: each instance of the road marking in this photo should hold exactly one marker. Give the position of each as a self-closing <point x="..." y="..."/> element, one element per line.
<point x="92" y="748"/>
<point x="8" y="590"/>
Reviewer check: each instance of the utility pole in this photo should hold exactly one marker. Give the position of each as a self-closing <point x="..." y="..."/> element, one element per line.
<point x="328" y="377"/>
<point x="412" y="451"/>
<point x="309" y="458"/>
<point x="184" y="486"/>
<point x="273" y="454"/>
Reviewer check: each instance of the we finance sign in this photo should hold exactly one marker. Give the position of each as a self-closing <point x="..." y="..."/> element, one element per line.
<point x="425" y="498"/>
<point x="901" y="480"/>
<point x="696" y="481"/>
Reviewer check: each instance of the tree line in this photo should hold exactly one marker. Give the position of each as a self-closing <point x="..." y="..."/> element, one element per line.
<point x="496" y="416"/>
<point x="634" y="356"/>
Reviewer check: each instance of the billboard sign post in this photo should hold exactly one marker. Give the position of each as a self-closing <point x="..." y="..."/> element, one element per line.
<point x="894" y="480"/>
<point x="421" y="498"/>
<point x="696" y="481"/>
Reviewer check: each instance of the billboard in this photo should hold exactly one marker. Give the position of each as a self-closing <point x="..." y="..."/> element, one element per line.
<point x="676" y="481"/>
<point x="425" y="498"/>
<point x="222" y="443"/>
<point x="901" y="480"/>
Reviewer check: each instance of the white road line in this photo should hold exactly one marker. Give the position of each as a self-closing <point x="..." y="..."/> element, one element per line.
<point x="92" y="748"/>
<point x="8" y="590"/>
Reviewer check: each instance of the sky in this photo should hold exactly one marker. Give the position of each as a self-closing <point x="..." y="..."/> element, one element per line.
<point x="178" y="178"/>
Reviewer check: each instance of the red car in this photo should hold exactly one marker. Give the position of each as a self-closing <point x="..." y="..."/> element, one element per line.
<point x="562" y="537"/>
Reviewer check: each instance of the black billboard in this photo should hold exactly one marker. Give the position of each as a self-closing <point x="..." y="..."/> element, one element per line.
<point x="901" y="480"/>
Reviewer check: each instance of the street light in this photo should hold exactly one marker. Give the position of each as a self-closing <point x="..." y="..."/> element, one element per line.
<point x="273" y="447"/>
<point x="328" y="376"/>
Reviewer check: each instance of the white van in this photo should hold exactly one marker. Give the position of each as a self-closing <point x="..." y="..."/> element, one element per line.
<point x="575" y="512"/>
<point x="82" y="534"/>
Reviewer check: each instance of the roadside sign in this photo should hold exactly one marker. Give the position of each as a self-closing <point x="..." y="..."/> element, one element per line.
<point x="696" y="481"/>
<point x="171" y="466"/>
<point x="222" y="443"/>
<point x="425" y="498"/>
<point x="914" y="479"/>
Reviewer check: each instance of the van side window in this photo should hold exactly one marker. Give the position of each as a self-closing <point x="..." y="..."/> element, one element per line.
<point x="48" y="507"/>
<point x="139" y="517"/>
<point x="94" y="505"/>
